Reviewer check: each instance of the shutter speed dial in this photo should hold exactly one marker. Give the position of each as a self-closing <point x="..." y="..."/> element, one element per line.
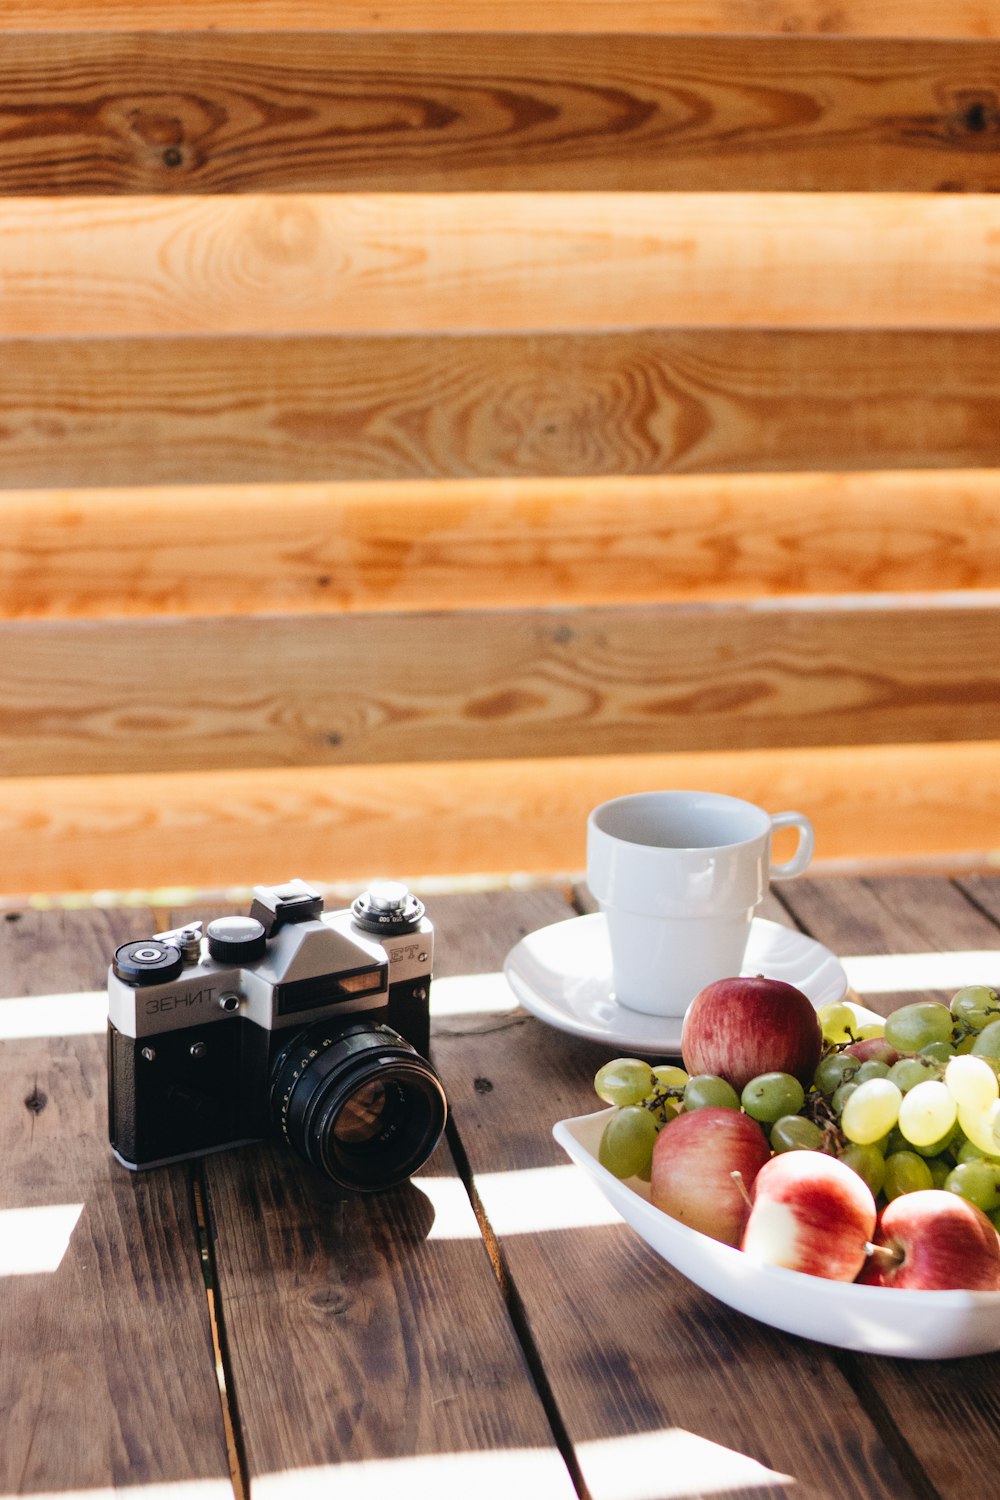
<point x="388" y="907"/>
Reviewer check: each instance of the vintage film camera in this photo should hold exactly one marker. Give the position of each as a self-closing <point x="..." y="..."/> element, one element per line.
<point x="291" y="1021"/>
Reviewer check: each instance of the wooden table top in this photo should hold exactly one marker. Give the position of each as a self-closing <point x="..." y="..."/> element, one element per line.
<point x="466" y="1334"/>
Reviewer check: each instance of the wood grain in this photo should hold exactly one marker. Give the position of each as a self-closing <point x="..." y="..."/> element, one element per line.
<point x="231" y="410"/>
<point x="107" y="1377"/>
<point x="439" y="262"/>
<point x="298" y="691"/>
<point x="393" y="1341"/>
<point x="914" y="916"/>
<point x="87" y="112"/>
<point x="946" y="18"/>
<point x="387" y="1321"/>
<point x="453" y="544"/>
<point x="350" y="824"/>
<point x="629" y="1347"/>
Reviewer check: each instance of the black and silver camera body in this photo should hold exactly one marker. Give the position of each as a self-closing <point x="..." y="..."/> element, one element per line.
<point x="291" y="1021"/>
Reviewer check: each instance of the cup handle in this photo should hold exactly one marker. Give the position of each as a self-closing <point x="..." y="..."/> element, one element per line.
<point x="803" y="853"/>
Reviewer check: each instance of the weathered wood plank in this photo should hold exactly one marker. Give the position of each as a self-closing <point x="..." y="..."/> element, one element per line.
<point x="381" y="111"/>
<point x="386" y="1319"/>
<point x="947" y="18"/>
<point x="230" y="409"/>
<point x="915" y="916"/>
<point x="423" y="545"/>
<point x="134" y="696"/>
<point x="630" y="1349"/>
<point x="388" y="1326"/>
<point x="432" y="262"/>
<point x="78" y="833"/>
<point x="107" y="1375"/>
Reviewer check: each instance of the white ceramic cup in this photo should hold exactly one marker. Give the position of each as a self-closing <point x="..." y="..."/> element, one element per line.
<point x="678" y="876"/>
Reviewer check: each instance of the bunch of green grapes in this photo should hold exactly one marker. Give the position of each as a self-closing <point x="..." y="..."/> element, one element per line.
<point x="926" y="1113"/>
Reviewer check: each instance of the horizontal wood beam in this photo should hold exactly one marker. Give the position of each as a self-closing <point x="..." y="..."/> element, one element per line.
<point x="419" y="545"/>
<point x="175" y="695"/>
<point x="948" y="18"/>
<point x="189" y="409"/>
<point x="440" y="262"/>
<point x="349" y="824"/>
<point x="222" y="111"/>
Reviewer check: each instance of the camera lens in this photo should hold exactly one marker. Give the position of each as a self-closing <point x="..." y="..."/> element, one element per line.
<point x="360" y="1104"/>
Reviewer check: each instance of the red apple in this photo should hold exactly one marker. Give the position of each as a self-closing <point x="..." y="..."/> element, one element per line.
<point x="810" y="1213"/>
<point x="873" y="1049"/>
<point x="938" y="1242"/>
<point x="740" y="1028"/>
<point x="694" y="1158"/>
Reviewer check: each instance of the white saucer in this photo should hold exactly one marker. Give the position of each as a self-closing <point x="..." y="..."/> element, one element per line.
<point x="562" y="975"/>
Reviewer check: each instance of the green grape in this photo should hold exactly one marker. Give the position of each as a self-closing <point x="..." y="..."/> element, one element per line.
<point x="706" y="1088"/>
<point x="837" y="1021"/>
<point x="975" y="1004"/>
<point x="770" y="1095"/>
<point x="939" y="1170"/>
<point x="834" y="1070"/>
<point x="987" y="1043"/>
<point x="870" y="1029"/>
<point x="795" y="1133"/>
<point x="871" y="1110"/>
<point x="927" y="1112"/>
<point x="894" y="1141"/>
<point x="944" y="1146"/>
<point x="868" y="1162"/>
<point x="982" y="1126"/>
<point x="969" y="1151"/>
<point x="668" y="1076"/>
<point x="842" y="1095"/>
<point x="871" y="1069"/>
<point x="626" y="1080"/>
<point x="905" y="1172"/>
<point x="910" y="1071"/>
<point x="978" y="1182"/>
<point x="965" y="1044"/>
<point x="971" y="1082"/>
<point x="938" y="1052"/>
<point x="626" y="1147"/>
<point x="912" y="1026"/>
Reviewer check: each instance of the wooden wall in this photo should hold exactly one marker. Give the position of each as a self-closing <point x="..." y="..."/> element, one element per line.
<point x="418" y="423"/>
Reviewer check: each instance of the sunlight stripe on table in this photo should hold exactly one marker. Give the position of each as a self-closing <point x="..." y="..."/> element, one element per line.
<point x="492" y="1474"/>
<point x="82" y="1014"/>
<point x="890" y="973"/>
<point x="639" y="1466"/>
<point x="33" y="1241"/>
<point x="522" y="1202"/>
<point x="180" y="1489"/>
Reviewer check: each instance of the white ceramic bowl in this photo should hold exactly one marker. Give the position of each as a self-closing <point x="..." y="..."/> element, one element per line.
<point x="871" y="1319"/>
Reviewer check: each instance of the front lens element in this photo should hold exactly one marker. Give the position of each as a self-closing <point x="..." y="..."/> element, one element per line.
<point x="361" y="1117"/>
